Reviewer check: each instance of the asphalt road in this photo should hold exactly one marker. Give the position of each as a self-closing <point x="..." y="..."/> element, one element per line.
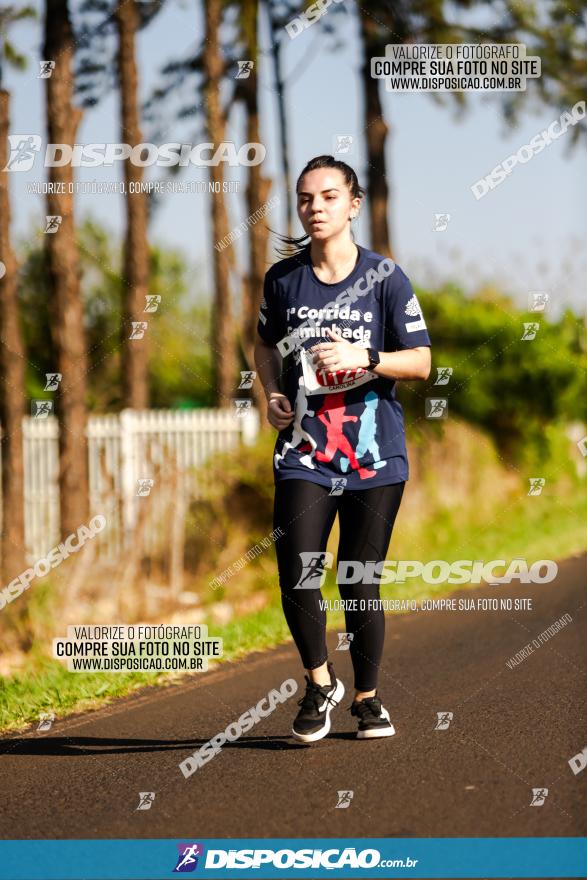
<point x="512" y="730"/>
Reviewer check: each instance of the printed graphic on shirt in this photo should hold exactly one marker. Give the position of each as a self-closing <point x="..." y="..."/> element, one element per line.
<point x="346" y="423"/>
<point x="299" y="434"/>
<point x="333" y="416"/>
<point x="305" y="322"/>
<point x="413" y="310"/>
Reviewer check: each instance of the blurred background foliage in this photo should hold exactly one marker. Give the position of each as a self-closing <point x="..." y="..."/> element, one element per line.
<point x="511" y="388"/>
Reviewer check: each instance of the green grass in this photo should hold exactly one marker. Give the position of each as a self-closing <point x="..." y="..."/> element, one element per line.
<point x="549" y="528"/>
<point x="45" y="684"/>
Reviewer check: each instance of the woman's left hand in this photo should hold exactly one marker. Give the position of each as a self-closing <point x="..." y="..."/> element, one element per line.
<point x="340" y="354"/>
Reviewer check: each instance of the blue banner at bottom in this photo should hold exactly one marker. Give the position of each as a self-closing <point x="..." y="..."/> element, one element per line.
<point x="294" y="857"/>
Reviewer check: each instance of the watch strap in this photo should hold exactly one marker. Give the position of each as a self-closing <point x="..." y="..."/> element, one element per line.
<point x="374" y="358"/>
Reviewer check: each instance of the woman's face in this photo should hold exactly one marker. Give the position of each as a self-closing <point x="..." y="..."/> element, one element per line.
<point x="325" y="203"/>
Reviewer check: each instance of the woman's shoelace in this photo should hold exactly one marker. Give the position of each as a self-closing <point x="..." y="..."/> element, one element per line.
<point x="366" y="706"/>
<point x="313" y="695"/>
<point x="370" y="705"/>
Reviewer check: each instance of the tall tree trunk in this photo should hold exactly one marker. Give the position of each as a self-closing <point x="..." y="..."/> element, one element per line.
<point x="12" y="374"/>
<point x="376" y="129"/>
<point x="66" y="310"/>
<point x="223" y="353"/>
<point x="257" y="193"/>
<point x="276" y="31"/>
<point x="136" y="248"/>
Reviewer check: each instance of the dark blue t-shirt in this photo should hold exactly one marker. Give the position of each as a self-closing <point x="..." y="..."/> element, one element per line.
<point x="348" y="427"/>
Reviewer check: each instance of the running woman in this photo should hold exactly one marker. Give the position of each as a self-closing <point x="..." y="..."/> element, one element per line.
<point x="338" y="326"/>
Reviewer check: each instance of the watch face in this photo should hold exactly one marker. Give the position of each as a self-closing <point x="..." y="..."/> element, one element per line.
<point x="374" y="358"/>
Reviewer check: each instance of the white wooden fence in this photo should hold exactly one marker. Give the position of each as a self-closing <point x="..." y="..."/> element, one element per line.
<point x="123" y="449"/>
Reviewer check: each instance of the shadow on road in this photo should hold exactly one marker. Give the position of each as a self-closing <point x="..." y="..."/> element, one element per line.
<point x="93" y="745"/>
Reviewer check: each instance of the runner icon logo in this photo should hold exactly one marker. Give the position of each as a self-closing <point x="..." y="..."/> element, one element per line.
<point x="344" y="641"/>
<point x="444" y="374"/>
<point x="539" y="795"/>
<point x="146" y="799"/>
<point x="313" y="569"/>
<point x="444" y="719"/>
<point x="344" y="799"/>
<point x="53" y="380"/>
<point x="187" y="860"/>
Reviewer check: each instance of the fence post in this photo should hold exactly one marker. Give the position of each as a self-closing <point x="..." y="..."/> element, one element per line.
<point x="128" y="473"/>
<point x="250" y="426"/>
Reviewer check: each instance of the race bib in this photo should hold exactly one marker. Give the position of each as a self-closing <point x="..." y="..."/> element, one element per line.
<point x="321" y="381"/>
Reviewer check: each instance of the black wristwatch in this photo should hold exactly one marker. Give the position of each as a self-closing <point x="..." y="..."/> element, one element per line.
<point x="374" y="358"/>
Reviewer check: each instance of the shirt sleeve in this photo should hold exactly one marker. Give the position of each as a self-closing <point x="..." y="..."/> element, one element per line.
<point x="405" y="326"/>
<point x="271" y="323"/>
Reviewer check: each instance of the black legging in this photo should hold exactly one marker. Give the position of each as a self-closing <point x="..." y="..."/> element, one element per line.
<point x="305" y="513"/>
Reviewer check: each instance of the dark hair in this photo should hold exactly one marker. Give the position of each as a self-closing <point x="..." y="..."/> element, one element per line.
<point x="296" y="245"/>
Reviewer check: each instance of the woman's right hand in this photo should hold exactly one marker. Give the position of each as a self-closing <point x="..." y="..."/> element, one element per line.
<point x="279" y="411"/>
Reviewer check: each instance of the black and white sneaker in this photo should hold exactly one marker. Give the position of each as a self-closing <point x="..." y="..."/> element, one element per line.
<point x="373" y="718"/>
<point x="313" y="720"/>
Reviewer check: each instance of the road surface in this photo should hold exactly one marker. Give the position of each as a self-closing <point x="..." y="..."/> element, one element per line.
<point x="513" y="730"/>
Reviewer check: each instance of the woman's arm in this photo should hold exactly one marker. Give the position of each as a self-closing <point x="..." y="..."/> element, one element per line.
<point x="340" y="354"/>
<point x="411" y="363"/>
<point x="268" y="364"/>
